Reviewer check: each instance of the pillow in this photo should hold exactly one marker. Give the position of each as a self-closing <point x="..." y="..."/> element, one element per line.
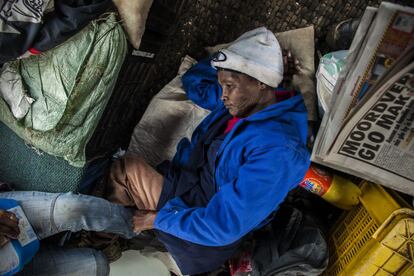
<point x="133" y="14"/>
<point x="169" y="117"/>
<point x="301" y="43"/>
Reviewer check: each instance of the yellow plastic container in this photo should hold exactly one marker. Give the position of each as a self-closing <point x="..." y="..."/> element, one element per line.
<point x="342" y="193"/>
<point x="375" y="238"/>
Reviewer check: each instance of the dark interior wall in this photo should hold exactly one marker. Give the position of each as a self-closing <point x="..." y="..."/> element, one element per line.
<point x="194" y="24"/>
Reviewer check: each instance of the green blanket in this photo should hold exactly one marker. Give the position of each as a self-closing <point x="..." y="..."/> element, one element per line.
<point x="71" y="86"/>
<point x="29" y="170"/>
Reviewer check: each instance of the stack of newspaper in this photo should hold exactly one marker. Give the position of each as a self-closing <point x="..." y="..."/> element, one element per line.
<point x="368" y="129"/>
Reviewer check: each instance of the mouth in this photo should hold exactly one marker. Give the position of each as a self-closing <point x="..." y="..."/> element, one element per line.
<point x="230" y="109"/>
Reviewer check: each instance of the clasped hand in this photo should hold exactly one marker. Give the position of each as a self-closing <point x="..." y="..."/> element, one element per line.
<point x="143" y="220"/>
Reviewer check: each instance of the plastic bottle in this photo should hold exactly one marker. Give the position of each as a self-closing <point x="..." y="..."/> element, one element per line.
<point x="15" y="254"/>
<point x="337" y="190"/>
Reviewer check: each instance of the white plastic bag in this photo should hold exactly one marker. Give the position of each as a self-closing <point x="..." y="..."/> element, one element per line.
<point x="329" y="68"/>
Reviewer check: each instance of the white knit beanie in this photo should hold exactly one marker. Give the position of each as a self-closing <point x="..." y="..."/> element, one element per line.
<point x="255" y="53"/>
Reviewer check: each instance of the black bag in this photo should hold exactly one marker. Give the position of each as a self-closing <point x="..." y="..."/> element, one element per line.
<point x="292" y="244"/>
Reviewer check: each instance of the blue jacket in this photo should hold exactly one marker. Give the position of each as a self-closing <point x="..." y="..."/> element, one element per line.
<point x="261" y="159"/>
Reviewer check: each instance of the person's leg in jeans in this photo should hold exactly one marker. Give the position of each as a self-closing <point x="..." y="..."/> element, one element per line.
<point x="51" y="213"/>
<point x="52" y="260"/>
<point x="131" y="183"/>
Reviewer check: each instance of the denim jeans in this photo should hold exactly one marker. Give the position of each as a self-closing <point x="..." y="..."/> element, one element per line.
<point x="51" y="213"/>
<point x="54" y="260"/>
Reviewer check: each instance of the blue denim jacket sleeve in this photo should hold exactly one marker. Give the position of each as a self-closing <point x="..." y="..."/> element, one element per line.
<point x="201" y="85"/>
<point x="239" y="206"/>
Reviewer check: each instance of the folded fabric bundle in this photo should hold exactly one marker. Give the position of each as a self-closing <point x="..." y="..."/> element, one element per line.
<point x="13" y="92"/>
<point x="71" y="85"/>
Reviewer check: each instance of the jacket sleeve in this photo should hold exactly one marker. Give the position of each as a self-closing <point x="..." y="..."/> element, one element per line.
<point x="201" y="85"/>
<point x="240" y="206"/>
<point x="69" y="17"/>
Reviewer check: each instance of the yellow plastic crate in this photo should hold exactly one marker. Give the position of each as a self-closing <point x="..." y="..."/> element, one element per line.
<point x="376" y="237"/>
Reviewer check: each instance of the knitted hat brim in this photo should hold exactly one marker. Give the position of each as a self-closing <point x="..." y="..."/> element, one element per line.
<point x="236" y="62"/>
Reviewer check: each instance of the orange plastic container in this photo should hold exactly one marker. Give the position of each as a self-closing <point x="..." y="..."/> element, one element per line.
<point x="337" y="190"/>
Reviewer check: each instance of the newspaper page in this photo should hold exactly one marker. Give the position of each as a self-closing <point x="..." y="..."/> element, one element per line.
<point x="389" y="35"/>
<point x="405" y="59"/>
<point x="377" y="143"/>
<point x="365" y="23"/>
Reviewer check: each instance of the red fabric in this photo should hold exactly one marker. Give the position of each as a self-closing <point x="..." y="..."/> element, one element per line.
<point x="241" y="265"/>
<point x="230" y="124"/>
<point x="282" y="94"/>
<point x="34" y="51"/>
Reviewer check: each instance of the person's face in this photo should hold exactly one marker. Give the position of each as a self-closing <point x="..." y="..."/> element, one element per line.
<point x="241" y="94"/>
